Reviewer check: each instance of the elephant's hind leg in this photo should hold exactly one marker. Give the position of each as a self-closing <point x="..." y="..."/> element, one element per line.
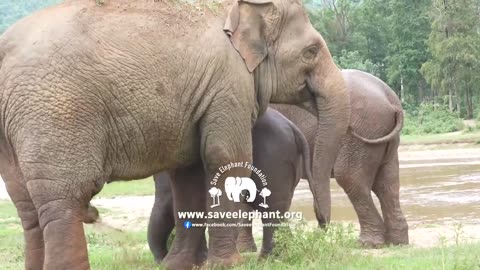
<point x="61" y="197"/>
<point x="34" y="247"/>
<point x="359" y="192"/>
<point x="189" y="247"/>
<point x="162" y="219"/>
<point x="387" y="188"/>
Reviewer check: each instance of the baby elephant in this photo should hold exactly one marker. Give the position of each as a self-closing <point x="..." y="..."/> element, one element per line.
<point x="278" y="150"/>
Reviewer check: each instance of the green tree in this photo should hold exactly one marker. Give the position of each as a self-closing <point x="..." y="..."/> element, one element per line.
<point x="455" y="47"/>
<point x="408" y="30"/>
<point x="371" y="32"/>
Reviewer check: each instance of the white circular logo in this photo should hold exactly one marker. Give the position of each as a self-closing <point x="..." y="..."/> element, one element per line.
<point x="239" y="189"/>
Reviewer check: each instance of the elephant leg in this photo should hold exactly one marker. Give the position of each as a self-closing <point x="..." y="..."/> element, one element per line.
<point x="221" y="145"/>
<point x="277" y="205"/>
<point x="245" y="240"/>
<point x="189" y="247"/>
<point x="34" y="245"/>
<point x="359" y="192"/>
<point x="162" y="218"/>
<point x="61" y="197"/>
<point x="387" y="188"/>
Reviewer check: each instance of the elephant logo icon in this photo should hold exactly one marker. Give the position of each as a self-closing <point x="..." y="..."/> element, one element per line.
<point x="240" y="189"/>
<point x="215" y="193"/>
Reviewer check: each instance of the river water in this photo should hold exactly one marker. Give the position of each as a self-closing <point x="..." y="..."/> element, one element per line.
<point x="440" y="186"/>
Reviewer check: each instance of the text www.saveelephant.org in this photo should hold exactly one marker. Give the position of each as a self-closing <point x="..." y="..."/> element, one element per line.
<point x="250" y="215"/>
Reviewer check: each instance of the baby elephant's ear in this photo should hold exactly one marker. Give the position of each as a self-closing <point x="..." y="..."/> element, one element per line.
<point x="246" y="27"/>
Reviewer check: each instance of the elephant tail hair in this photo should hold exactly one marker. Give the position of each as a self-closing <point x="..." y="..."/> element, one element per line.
<point x="395" y="131"/>
<point x="92" y="215"/>
<point x="302" y="144"/>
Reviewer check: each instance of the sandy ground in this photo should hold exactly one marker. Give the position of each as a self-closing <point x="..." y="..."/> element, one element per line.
<point x="132" y="212"/>
<point x="419" y="152"/>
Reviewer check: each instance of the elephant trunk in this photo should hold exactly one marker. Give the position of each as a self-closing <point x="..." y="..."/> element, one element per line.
<point x="333" y="108"/>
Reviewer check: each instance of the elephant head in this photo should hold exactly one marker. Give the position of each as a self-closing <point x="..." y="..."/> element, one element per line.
<point x="292" y="64"/>
<point x="279" y="46"/>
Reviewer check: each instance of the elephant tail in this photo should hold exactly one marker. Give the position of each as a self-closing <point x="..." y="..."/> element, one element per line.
<point x="302" y="144"/>
<point x="395" y="131"/>
<point x="92" y="215"/>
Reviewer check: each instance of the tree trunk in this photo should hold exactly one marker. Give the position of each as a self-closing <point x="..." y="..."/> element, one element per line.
<point x="450" y="99"/>
<point x="402" y="91"/>
<point x="457" y="98"/>
<point x="468" y="103"/>
<point x="450" y="94"/>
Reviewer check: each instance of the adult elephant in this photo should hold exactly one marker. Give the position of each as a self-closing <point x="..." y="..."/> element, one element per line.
<point x="366" y="161"/>
<point x="90" y="94"/>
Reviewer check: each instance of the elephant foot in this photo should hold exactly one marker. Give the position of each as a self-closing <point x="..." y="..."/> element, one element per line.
<point x="372" y="240"/>
<point x="229" y="261"/>
<point x="183" y="261"/>
<point x="246" y="246"/>
<point x="159" y="257"/>
<point x="397" y="237"/>
<point x="264" y="254"/>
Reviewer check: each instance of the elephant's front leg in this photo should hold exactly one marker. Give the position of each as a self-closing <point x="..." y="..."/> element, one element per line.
<point x="226" y="140"/>
<point x="189" y="247"/>
<point x="245" y="240"/>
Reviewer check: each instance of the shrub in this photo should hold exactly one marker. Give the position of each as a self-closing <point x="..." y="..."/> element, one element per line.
<point x="430" y="119"/>
<point x="303" y="245"/>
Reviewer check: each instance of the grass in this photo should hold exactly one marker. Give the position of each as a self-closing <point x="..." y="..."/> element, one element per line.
<point x="128" y="188"/>
<point x="299" y="248"/>
<point x="108" y="248"/>
<point x="445" y="138"/>
<point x="337" y="249"/>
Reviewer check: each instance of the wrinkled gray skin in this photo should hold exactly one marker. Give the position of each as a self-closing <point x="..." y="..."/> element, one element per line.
<point x="273" y="137"/>
<point x="90" y="94"/>
<point x="367" y="159"/>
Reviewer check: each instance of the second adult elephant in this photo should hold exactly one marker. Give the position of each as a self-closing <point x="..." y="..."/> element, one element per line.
<point x="363" y="165"/>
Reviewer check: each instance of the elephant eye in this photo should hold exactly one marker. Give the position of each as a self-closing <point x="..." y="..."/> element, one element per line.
<point x="311" y="52"/>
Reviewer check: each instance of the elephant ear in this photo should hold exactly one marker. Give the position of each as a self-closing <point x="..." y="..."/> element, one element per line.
<point x="246" y="26"/>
